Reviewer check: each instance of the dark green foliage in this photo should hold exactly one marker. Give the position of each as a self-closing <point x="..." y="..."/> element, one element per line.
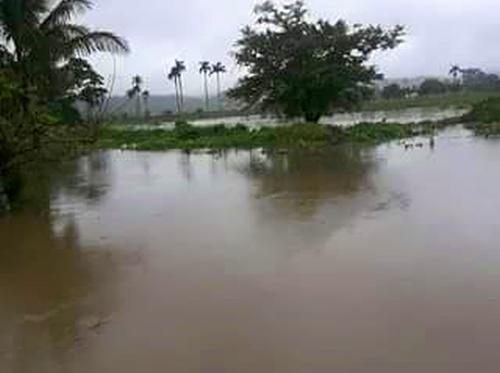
<point x="432" y="87"/>
<point x="392" y="91"/>
<point x="478" y="80"/>
<point x="303" y="69"/>
<point x="485" y="117"/>
<point x="487" y="111"/>
<point x="42" y="75"/>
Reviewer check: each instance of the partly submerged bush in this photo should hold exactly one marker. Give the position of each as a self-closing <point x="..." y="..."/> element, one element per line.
<point x="486" y="112"/>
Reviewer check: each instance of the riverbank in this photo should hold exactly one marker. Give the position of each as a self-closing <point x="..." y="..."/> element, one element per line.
<point x="187" y="137"/>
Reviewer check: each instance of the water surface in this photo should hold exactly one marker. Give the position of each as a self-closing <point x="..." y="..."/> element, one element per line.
<point x="354" y="260"/>
<point x="403" y="116"/>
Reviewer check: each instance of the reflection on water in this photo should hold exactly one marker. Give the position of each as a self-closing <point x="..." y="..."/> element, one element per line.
<point x="354" y="260"/>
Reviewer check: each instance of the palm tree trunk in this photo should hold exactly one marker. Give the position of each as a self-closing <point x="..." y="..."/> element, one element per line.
<point x="146" y="108"/>
<point x="138" y="106"/>
<point x="181" y="93"/>
<point x="177" y="102"/>
<point x="218" y="92"/>
<point x="207" y="103"/>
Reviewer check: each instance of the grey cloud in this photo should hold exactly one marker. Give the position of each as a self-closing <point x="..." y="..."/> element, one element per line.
<point x="440" y="32"/>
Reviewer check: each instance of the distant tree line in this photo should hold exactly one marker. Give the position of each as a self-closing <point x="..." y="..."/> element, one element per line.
<point x="468" y="79"/>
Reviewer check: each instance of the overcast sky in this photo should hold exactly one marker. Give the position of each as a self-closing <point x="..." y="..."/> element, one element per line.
<point x="440" y="32"/>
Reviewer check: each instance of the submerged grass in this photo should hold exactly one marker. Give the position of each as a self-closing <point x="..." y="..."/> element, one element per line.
<point x="188" y="137"/>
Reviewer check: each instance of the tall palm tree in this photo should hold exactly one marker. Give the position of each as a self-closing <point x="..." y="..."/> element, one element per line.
<point x="180" y="67"/>
<point x="455" y="71"/>
<point x="130" y="96"/>
<point x="137" y="89"/>
<point x="205" y="69"/>
<point x="44" y="38"/>
<point x="145" y="99"/>
<point x="218" y="69"/>
<point x="174" y="75"/>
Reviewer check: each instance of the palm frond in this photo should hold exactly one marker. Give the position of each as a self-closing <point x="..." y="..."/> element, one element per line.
<point x="180" y="65"/>
<point x="64" y="11"/>
<point x="218" y="68"/>
<point x="98" y="41"/>
<point x="204" y="67"/>
<point x="173" y="74"/>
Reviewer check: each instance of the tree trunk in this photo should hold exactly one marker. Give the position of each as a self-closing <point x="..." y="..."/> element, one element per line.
<point x="207" y="103"/>
<point x="218" y="92"/>
<point x="177" y="102"/>
<point x="138" y="105"/>
<point x="312" y="117"/>
<point x="146" y="108"/>
<point x="181" y="90"/>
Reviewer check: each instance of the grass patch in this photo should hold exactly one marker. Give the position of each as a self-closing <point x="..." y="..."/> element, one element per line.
<point x="282" y="137"/>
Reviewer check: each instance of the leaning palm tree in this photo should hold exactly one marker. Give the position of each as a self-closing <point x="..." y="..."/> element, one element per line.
<point x="174" y="75"/>
<point x="180" y="67"/>
<point x="218" y="69"/>
<point x="205" y="69"/>
<point x="44" y="39"/>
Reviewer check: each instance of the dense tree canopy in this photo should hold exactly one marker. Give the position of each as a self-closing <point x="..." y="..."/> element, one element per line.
<point x="302" y="68"/>
<point x="393" y="91"/>
<point x="43" y="72"/>
<point x="40" y="42"/>
<point x="432" y="86"/>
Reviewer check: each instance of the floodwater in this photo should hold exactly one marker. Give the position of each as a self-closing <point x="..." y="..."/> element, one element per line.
<point x="356" y="260"/>
<point x="404" y="116"/>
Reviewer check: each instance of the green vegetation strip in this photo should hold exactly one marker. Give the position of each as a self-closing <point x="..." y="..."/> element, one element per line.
<point x="484" y="118"/>
<point x="221" y="137"/>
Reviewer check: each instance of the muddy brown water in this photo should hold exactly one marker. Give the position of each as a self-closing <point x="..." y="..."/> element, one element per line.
<point x="358" y="260"/>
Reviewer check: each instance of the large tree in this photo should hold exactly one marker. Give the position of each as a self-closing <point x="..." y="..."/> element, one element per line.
<point x="303" y="68"/>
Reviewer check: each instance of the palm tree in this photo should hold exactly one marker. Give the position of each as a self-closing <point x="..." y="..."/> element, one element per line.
<point x="180" y="68"/>
<point x="44" y="39"/>
<point x="137" y="89"/>
<point x="218" y="69"/>
<point x="174" y="75"/>
<point x="205" y="69"/>
<point x="455" y="71"/>
<point x="145" y="98"/>
<point x="130" y="96"/>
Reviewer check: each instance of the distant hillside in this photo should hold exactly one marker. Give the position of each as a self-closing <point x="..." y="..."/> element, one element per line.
<point x="159" y="104"/>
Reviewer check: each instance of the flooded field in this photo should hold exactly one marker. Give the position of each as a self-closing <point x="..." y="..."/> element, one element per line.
<point x="373" y="260"/>
<point x="404" y="116"/>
